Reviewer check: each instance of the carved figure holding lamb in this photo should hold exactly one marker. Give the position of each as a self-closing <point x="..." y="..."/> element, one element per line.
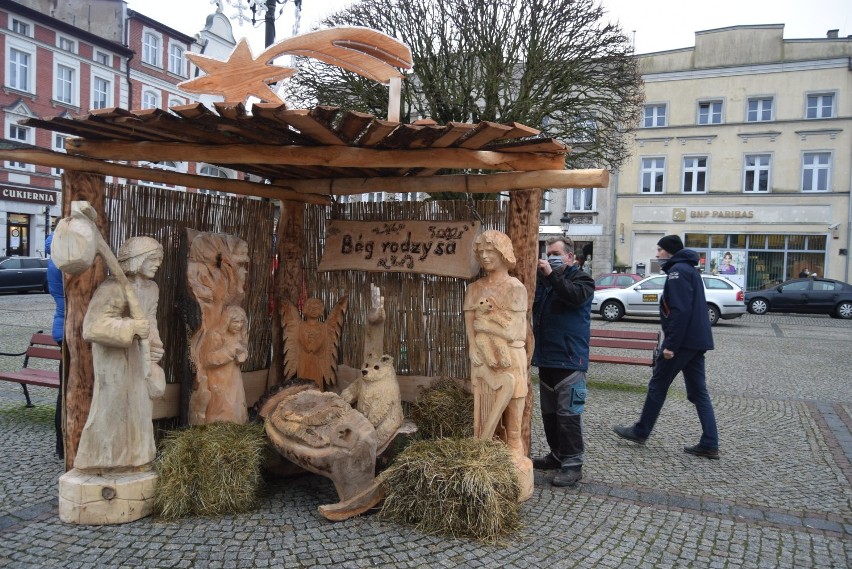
<point x="491" y="320"/>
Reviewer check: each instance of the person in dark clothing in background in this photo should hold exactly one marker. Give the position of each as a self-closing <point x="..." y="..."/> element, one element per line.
<point x="687" y="336"/>
<point x="57" y="291"/>
<point x="561" y="321"/>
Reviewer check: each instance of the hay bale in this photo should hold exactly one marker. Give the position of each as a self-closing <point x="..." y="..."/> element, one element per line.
<point x="210" y="470"/>
<point x="445" y="410"/>
<point x="454" y="487"/>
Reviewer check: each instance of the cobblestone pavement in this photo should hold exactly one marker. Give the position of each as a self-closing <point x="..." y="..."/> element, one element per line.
<point x="781" y="496"/>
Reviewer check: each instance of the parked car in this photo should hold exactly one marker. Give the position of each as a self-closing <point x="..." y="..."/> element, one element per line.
<point x="805" y="296"/>
<point x="20" y="274"/>
<point x="616" y="280"/>
<point x="724" y="299"/>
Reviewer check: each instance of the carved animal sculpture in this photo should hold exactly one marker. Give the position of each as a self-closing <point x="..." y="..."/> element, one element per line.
<point x="490" y="317"/>
<point x="376" y="395"/>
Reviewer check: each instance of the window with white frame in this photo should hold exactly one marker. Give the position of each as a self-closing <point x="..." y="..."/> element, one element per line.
<point x="176" y="102"/>
<point x="655" y="115"/>
<point x="653" y="175"/>
<point x="151" y="49"/>
<point x="710" y="112"/>
<point x="19" y="70"/>
<point x="581" y="199"/>
<point x="820" y="106"/>
<point x="816" y="171"/>
<point x="21" y="27"/>
<point x="101" y="93"/>
<point x="694" y="174"/>
<point x="214" y="171"/>
<point x="23" y="134"/>
<point x="177" y="63"/>
<point x="756" y="173"/>
<point x="545" y="201"/>
<point x="149" y="100"/>
<point x="759" y="109"/>
<point x="65" y="84"/>
<point x="58" y="146"/>
<point x="67" y="44"/>
<point x="103" y="58"/>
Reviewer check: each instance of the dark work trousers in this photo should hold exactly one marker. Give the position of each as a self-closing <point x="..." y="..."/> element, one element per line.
<point x="57" y="416"/>
<point x="691" y="363"/>
<point x="563" y="397"/>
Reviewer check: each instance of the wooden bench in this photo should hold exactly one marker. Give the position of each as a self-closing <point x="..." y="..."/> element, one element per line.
<point x="624" y="340"/>
<point x="42" y="347"/>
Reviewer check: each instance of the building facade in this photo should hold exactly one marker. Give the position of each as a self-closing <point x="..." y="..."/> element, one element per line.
<point x="71" y="58"/>
<point x="744" y="151"/>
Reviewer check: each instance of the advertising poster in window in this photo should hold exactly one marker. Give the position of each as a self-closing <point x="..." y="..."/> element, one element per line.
<point x="729" y="264"/>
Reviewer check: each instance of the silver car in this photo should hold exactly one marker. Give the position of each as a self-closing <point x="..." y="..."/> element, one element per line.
<point x="725" y="299"/>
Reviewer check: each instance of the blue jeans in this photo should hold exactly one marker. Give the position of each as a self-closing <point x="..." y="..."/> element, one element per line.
<point x="691" y="363"/>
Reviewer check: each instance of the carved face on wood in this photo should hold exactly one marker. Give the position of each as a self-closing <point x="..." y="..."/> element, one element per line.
<point x="313" y="308"/>
<point x="494" y="251"/>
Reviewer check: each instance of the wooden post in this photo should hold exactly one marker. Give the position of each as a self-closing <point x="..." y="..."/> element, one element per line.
<point x="522" y="229"/>
<point x="289" y="279"/>
<point x="80" y="375"/>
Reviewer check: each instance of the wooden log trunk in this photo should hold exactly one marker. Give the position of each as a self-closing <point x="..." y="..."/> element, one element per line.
<point x="80" y="375"/>
<point x="289" y="279"/>
<point x="522" y="229"/>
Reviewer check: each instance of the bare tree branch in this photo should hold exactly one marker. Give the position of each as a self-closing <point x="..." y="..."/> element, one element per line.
<point x="557" y="65"/>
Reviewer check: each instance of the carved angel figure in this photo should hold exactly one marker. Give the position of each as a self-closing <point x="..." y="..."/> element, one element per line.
<point x="311" y="345"/>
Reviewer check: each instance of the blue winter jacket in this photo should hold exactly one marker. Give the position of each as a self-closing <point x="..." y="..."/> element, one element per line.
<point x="57" y="291"/>
<point x="683" y="308"/>
<point x="562" y="314"/>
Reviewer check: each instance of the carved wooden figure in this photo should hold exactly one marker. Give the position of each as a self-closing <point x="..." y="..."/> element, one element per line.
<point x="495" y="312"/>
<point x="376" y="396"/>
<point x="112" y="480"/>
<point x="216" y="274"/>
<point x="311" y="345"/>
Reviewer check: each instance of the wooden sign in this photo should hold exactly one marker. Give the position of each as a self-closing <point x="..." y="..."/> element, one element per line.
<point x="442" y="248"/>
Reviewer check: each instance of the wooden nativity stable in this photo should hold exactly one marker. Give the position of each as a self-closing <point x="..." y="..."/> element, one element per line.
<point x="308" y="158"/>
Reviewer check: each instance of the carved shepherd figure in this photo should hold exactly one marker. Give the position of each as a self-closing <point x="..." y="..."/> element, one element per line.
<point x="119" y="434"/>
<point x="310" y="345"/>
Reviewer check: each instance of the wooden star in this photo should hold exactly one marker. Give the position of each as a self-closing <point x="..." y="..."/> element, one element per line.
<point x="238" y="77"/>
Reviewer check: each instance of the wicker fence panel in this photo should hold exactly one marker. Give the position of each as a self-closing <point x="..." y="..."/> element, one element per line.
<point x="166" y="215"/>
<point x="424" y="329"/>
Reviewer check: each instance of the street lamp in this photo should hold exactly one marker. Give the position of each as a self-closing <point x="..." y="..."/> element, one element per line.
<point x="265" y="9"/>
<point x="565" y="221"/>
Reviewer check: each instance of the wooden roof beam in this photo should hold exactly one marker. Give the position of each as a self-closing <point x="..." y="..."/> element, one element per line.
<point x="329" y="156"/>
<point x="42" y="157"/>
<point x="474" y="183"/>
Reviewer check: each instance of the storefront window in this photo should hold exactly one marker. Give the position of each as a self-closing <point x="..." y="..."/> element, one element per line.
<point x="757" y="241"/>
<point x="796" y="242"/>
<point x="765" y="269"/>
<point x="737" y="241"/>
<point x="719" y="241"/>
<point x="776" y="241"/>
<point x="816" y="243"/>
<point x="697" y="240"/>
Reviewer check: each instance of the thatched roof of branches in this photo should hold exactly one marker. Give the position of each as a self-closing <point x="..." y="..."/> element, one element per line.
<point x="310" y="154"/>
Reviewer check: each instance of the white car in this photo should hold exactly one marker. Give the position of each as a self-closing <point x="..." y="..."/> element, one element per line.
<point x="725" y="299"/>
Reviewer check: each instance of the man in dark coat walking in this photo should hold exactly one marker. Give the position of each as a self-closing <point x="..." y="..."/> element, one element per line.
<point x="686" y="327"/>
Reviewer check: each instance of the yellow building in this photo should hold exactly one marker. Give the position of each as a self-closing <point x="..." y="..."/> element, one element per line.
<point x="745" y="147"/>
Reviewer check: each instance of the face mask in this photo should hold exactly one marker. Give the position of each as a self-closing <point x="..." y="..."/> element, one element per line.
<point x="555" y="261"/>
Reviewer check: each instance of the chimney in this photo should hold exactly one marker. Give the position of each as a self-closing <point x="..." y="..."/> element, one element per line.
<point x="832" y="34"/>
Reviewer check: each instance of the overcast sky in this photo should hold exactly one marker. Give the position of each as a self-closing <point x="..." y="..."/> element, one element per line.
<point x="658" y="24"/>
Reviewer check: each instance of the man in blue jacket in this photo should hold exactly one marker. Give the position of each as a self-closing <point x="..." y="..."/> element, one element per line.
<point x="561" y="320"/>
<point x="686" y="326"/>
<point x="57" y="291"/>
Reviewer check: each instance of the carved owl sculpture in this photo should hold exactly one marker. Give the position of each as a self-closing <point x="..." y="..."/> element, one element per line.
<point x="310" y="344"/>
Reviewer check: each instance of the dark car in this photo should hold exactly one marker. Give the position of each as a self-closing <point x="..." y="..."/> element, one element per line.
<point x="616" y="280"/>
<point x="805" y="296"/>
<point x="20" y="274"/>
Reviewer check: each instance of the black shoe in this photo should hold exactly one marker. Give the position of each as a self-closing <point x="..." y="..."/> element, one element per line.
<point x="546" y="463"/>
<point x="568" y="476"/>
<point x="706" y="452"/>
<point x="627" y="433"/>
